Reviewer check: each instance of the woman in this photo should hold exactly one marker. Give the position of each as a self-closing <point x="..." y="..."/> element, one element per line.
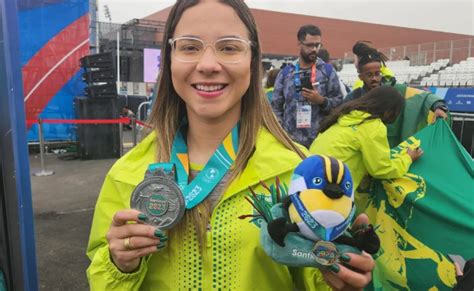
<point x="206" y="95"/>
<point x="356" y="134"/>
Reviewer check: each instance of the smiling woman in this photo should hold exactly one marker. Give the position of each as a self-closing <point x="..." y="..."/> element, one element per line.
<point x="214" y="136"/>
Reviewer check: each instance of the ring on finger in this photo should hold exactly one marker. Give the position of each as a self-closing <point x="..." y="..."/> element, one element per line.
<point x="126" y="243"/>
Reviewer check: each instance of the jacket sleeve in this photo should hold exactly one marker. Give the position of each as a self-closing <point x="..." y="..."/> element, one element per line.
<point x="278" y="97"/>
<point x="334" y="94"/>
<point x="433" y="102"/>
<point x="376" y="154"/>
<point x="102" y="274"/>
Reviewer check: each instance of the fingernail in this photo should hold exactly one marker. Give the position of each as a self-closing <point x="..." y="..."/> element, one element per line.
<point x="345" y="258"/>
<point x="161" y="246"/>
<point x="159" y="233"/>
<point x="142" y="217"/>
<point x="163" y="238"/>
<point x="334" y="268"/>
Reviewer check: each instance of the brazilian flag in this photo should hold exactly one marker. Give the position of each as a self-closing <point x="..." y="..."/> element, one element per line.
<point x="425" y="215"/>
<point x="414" y="117"/>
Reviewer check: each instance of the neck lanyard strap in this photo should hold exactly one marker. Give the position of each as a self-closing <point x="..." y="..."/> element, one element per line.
<point x="298" y="78"/>
<point x="215" y="169"/>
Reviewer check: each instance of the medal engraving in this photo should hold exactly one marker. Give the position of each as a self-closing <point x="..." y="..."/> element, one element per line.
<point x="325" y="253"/>
<point x="161" y="200"/>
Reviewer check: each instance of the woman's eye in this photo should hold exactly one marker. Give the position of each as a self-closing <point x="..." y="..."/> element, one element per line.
<point x="189" y="48"/>
<point x="228" y="49"/>
<point x="317" y="181"/>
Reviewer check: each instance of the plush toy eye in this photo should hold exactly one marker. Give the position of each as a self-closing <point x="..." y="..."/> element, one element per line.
<point x="317" y="181"/>
<point x="348" y="185"/>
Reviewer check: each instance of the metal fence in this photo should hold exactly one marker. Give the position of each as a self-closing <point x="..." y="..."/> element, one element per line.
<point x="426" y="53"/>
<point x="137" y="33"/>
<point x="463" y="128"/>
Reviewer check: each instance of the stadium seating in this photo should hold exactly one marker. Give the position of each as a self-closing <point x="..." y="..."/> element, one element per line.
<point x="461" y="74"/>
<point x="438" y="73"/>
<point x="404" y="73"/>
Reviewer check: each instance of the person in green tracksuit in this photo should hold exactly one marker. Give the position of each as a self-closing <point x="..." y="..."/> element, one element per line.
<point x="212" y="123"/>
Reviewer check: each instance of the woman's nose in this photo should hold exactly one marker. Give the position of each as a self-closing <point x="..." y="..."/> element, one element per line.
<point x="208" y="61"/>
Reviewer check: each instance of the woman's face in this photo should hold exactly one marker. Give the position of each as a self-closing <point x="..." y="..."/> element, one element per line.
<point x="211" y="88"/>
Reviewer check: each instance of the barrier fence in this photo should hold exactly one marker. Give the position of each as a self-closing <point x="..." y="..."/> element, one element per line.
<point x="460" y="131"/>
<point x="463" y="128"/>
<point x="120" y="121"/>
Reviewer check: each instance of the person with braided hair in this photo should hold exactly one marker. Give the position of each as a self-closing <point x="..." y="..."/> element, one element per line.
<point x="421" y="107"/>
<point x="364" y="47"/>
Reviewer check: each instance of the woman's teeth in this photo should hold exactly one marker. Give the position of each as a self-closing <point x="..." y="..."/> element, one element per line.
<point x="209" y="88"/>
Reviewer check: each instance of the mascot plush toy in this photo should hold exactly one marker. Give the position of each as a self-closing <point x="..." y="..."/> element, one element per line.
<point x="320" y="206"/>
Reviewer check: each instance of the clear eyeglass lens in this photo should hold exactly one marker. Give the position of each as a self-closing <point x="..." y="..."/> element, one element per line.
<point x="228" y="50"/>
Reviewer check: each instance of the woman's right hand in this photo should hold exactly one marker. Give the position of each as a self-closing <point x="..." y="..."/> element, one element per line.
<point x="128" y="242"/>
<point x="415" y="154"/>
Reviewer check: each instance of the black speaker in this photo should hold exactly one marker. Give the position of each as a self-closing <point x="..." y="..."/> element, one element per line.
<point x="99" y="61"/>
<point x="99" y="76"/>
<point x="97" y="141"/>
<point x="101" y="91"/>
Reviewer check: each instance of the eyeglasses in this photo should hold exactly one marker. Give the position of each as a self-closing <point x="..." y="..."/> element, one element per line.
<point x="228" y="50"/>
<point x="372" y="74"/>
<point x="311" y="46"/>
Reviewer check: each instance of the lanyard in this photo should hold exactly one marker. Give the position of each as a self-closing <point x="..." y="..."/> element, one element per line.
<point x="327" y="234"/>
<point x="207" y="179"/>
<point x="298" y="78"/>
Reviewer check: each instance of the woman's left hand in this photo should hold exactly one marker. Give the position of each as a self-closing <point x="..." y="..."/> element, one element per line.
<point x="342" y="278"/>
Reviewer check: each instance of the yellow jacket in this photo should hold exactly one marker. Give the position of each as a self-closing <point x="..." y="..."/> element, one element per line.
<point x="233" y="258"/>
<point x="363" y="146"/>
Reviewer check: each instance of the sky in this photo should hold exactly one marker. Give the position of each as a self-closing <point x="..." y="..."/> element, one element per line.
<point x="455" y="16"/>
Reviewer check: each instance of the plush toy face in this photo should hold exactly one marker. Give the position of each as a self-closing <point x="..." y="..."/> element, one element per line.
<point x="323" y="205"/>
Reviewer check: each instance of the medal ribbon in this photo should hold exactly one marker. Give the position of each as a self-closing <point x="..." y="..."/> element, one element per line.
<point x="215" y="169"/>
<point x="327" y="234"/>
<point x="298" y="78"/>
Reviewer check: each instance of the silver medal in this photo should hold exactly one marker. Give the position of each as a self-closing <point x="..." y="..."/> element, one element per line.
<point x="325" y="253"/>
<point x="160" y="198"/>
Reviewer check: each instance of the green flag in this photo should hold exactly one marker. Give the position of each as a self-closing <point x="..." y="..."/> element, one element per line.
<point x="425" y="215"/>
<point x="415" y="116"/>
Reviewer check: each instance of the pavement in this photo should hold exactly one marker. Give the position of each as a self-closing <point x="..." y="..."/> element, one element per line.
<point x="63" y="206"/>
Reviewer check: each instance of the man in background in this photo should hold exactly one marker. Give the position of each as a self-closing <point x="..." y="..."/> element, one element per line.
<point x="307" y="90"/>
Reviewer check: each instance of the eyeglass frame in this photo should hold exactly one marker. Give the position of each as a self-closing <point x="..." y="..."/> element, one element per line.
<point x="312" y="46"/>
<point x="172" y="42"/>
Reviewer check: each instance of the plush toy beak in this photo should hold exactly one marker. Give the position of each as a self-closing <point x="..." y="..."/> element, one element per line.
<point x="315" y="200"/>
<point x="333" y="191"/>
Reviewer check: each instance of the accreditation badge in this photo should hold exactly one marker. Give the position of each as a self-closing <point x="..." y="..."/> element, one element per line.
<point x="303" y="115"/>
<point x="160" y="198"/>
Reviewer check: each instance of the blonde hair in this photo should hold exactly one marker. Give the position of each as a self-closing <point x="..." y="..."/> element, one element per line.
<point x="169" y="109"/>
